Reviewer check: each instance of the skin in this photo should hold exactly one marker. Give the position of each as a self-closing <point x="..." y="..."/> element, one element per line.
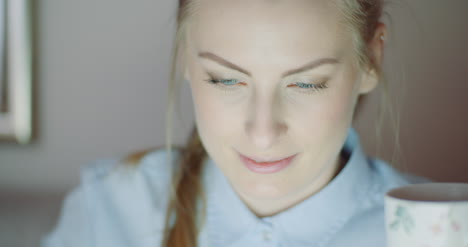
<point x="265" y="115"/>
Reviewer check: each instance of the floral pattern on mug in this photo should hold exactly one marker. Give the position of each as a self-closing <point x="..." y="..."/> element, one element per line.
<point x="425" y="223"/>
<point x="402" y="218"/>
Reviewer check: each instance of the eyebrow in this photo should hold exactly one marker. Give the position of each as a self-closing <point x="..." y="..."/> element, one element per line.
<point x="306" y="67"/>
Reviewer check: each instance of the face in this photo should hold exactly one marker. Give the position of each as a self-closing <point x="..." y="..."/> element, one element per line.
<point x="265" y="103"/>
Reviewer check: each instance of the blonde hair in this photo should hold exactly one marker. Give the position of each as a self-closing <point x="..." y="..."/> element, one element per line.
<point x="360" y="16"/>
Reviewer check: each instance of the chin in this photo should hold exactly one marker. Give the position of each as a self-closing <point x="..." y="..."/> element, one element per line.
<point x="259" y="189"/>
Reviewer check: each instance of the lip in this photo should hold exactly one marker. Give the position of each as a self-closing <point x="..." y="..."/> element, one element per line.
<point x="270" y="166"/>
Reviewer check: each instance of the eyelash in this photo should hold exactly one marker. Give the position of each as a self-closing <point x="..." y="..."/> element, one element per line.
<point x="301" y="85"/>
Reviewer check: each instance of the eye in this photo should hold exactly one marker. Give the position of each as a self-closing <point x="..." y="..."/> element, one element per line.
<point x="310" y="86"/>
<point x="225" y="84"/>
<point x="231" y="83"/>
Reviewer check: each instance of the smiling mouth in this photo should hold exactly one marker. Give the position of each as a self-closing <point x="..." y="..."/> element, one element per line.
<point x="266" y="159"/>
<point x="266" y="165"/>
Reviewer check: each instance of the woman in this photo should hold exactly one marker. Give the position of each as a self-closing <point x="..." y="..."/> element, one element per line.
<point x="273" y="159"/>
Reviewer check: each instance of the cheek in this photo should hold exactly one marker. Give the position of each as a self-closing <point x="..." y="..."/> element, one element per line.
<point x="332" y="110"/>
<point x="340" y="107"/>
<point x="213" y="118"/>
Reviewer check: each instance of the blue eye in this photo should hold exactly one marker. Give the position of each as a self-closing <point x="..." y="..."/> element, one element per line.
<point x="228" y="82"/>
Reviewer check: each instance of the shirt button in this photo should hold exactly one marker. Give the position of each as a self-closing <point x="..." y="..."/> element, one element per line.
<point x="266" y="235"/>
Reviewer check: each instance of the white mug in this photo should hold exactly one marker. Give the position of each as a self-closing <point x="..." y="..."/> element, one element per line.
<point x="427" y="215"/>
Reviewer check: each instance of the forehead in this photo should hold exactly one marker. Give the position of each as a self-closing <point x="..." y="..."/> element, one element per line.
<point x="268" y="29"/>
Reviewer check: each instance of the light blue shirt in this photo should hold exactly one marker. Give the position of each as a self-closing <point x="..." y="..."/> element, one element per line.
<point x="118" y="205"/>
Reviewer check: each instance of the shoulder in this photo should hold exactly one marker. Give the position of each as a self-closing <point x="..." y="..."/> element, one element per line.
<point x="158" y="163"/>
<point x="116" y="204"/>
<point x="68" y="230"/>
<point x="118" y="181"/>
<point x="153" y="172"/>
<point x="370" y="217"/>
<point x="383" y="178"/>
<point x="386" y="177"/>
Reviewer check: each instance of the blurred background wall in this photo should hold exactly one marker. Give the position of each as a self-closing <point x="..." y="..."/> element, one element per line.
<point x="101" y="70"/>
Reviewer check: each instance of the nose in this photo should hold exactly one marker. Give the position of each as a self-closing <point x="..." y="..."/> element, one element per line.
<point x="265" y="124"/>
